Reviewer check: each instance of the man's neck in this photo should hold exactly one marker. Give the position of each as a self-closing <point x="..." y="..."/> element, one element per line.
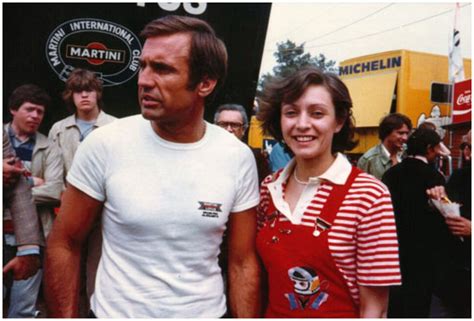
<point x="22" y="136"/>
<point x="190" y="133"/>
<point x="188" y="128"/>
<point x="88" y="116"/>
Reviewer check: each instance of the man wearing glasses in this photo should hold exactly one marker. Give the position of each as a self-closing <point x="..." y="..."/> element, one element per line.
<point x="233" y="118"/>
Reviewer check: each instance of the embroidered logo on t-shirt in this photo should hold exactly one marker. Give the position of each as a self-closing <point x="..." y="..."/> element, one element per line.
<point x="210" y="209"/>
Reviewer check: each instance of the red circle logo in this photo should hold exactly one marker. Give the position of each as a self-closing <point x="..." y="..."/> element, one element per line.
<point x="98" y="46"/>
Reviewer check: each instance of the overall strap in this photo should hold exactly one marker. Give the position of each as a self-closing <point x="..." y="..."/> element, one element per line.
<point x="338" y="193"/>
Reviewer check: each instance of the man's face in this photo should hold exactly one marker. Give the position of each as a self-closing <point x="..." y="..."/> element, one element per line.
<point x="85" y="100"/>
<point x="28" y="118"/>
<point x="163" y="91"/>
<point x="432" y="152"/>
<point x="231" y="120"/>
<point x="397" y="138"/>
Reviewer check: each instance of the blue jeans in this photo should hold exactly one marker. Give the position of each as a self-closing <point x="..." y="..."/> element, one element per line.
<point x="23" y="293"/>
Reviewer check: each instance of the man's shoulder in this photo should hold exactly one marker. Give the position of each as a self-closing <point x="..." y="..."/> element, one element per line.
<point x="225" y="141"/>
<point x="105" y="118"/>
<point x="401" y="169"/>
<point x="42" y="141"/>
<point x="373" y="152"/>
<point x="60" y="124"/>
<point x="122" y="125"/>
<point x="117" y="134"/>
<point x="222" y="136"/>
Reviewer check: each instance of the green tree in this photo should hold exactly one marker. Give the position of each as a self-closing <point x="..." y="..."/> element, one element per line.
<point x="291" y="57"/>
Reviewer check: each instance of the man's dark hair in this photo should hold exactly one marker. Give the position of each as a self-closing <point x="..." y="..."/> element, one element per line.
<point x="28" y="93"/>
<point x="393" y="122"/>
<point x="427" y="125"/>
<point x="79" y="80"/>
<point x="289" y="89"/>
<point x="419" y="141"/>
<point x="234" y="107"/>
<point x="207" y="55"/>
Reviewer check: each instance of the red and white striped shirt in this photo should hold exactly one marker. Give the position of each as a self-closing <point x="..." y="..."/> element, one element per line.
<point x="362" y="239"/>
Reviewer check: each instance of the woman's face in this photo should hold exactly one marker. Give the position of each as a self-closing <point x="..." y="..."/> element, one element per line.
<point x="309" y="123"/>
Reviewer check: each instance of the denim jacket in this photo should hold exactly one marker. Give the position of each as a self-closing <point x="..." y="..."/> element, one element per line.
<point x="375" y="161"/>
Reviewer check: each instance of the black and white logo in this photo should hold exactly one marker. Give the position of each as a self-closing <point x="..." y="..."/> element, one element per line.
<point x="107" y="48"/>
<point x="210" y="209"/>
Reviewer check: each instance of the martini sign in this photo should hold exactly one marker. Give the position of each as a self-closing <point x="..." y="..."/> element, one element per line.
<point x="107" y="48"/>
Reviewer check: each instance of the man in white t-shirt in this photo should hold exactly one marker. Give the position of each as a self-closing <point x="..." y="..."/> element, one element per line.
<point x="165" y="190"/>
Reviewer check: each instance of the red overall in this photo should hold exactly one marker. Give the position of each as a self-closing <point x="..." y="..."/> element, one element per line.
<point x="303" y="279"/>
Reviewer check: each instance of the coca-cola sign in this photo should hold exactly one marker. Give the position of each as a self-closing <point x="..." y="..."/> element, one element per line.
<point x="462" y="102"/>
<point x="464" y="99"/>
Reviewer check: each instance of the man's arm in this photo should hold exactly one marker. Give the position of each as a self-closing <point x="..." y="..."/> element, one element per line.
<point x="373" y="301"/>
<point x="48" y="188"/>
<point x="62" y="265"/>
<point x="244" y="267"/>
<point x="17" y="198"/>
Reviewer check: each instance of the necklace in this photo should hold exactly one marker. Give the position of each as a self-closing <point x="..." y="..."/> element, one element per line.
<point x="297" y="180"/>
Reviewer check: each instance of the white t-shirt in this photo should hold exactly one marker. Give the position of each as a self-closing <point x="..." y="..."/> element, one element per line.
<point x="165" y="209"/>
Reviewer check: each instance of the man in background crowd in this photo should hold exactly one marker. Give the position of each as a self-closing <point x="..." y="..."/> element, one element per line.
<point x="22" y="260"/>
<point x="422" y="234"/>
<point x="233" y="118"/>
<point x="393" y="134"/>
<point x="83" y="96"/>
<point x="44" y="168"/>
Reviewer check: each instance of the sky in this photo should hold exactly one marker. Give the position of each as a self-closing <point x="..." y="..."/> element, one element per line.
<point x="346" y="30"/>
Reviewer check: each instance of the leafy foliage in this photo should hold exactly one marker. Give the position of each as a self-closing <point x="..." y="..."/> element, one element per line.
<point x="291" y="57"/>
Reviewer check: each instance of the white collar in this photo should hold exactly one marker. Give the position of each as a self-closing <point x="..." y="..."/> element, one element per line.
<point x="337" y="173"/>
<point x="387" y="153"/>
<point x="339" y="170"/>
<point x="385" y="150"/>
<point x="422" y="158"/>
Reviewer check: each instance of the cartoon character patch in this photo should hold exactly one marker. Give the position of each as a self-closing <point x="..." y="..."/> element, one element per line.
<point x="307" y="289"/>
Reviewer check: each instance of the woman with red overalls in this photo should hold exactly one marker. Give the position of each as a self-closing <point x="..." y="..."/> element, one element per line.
<point x="327" y="235"/>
